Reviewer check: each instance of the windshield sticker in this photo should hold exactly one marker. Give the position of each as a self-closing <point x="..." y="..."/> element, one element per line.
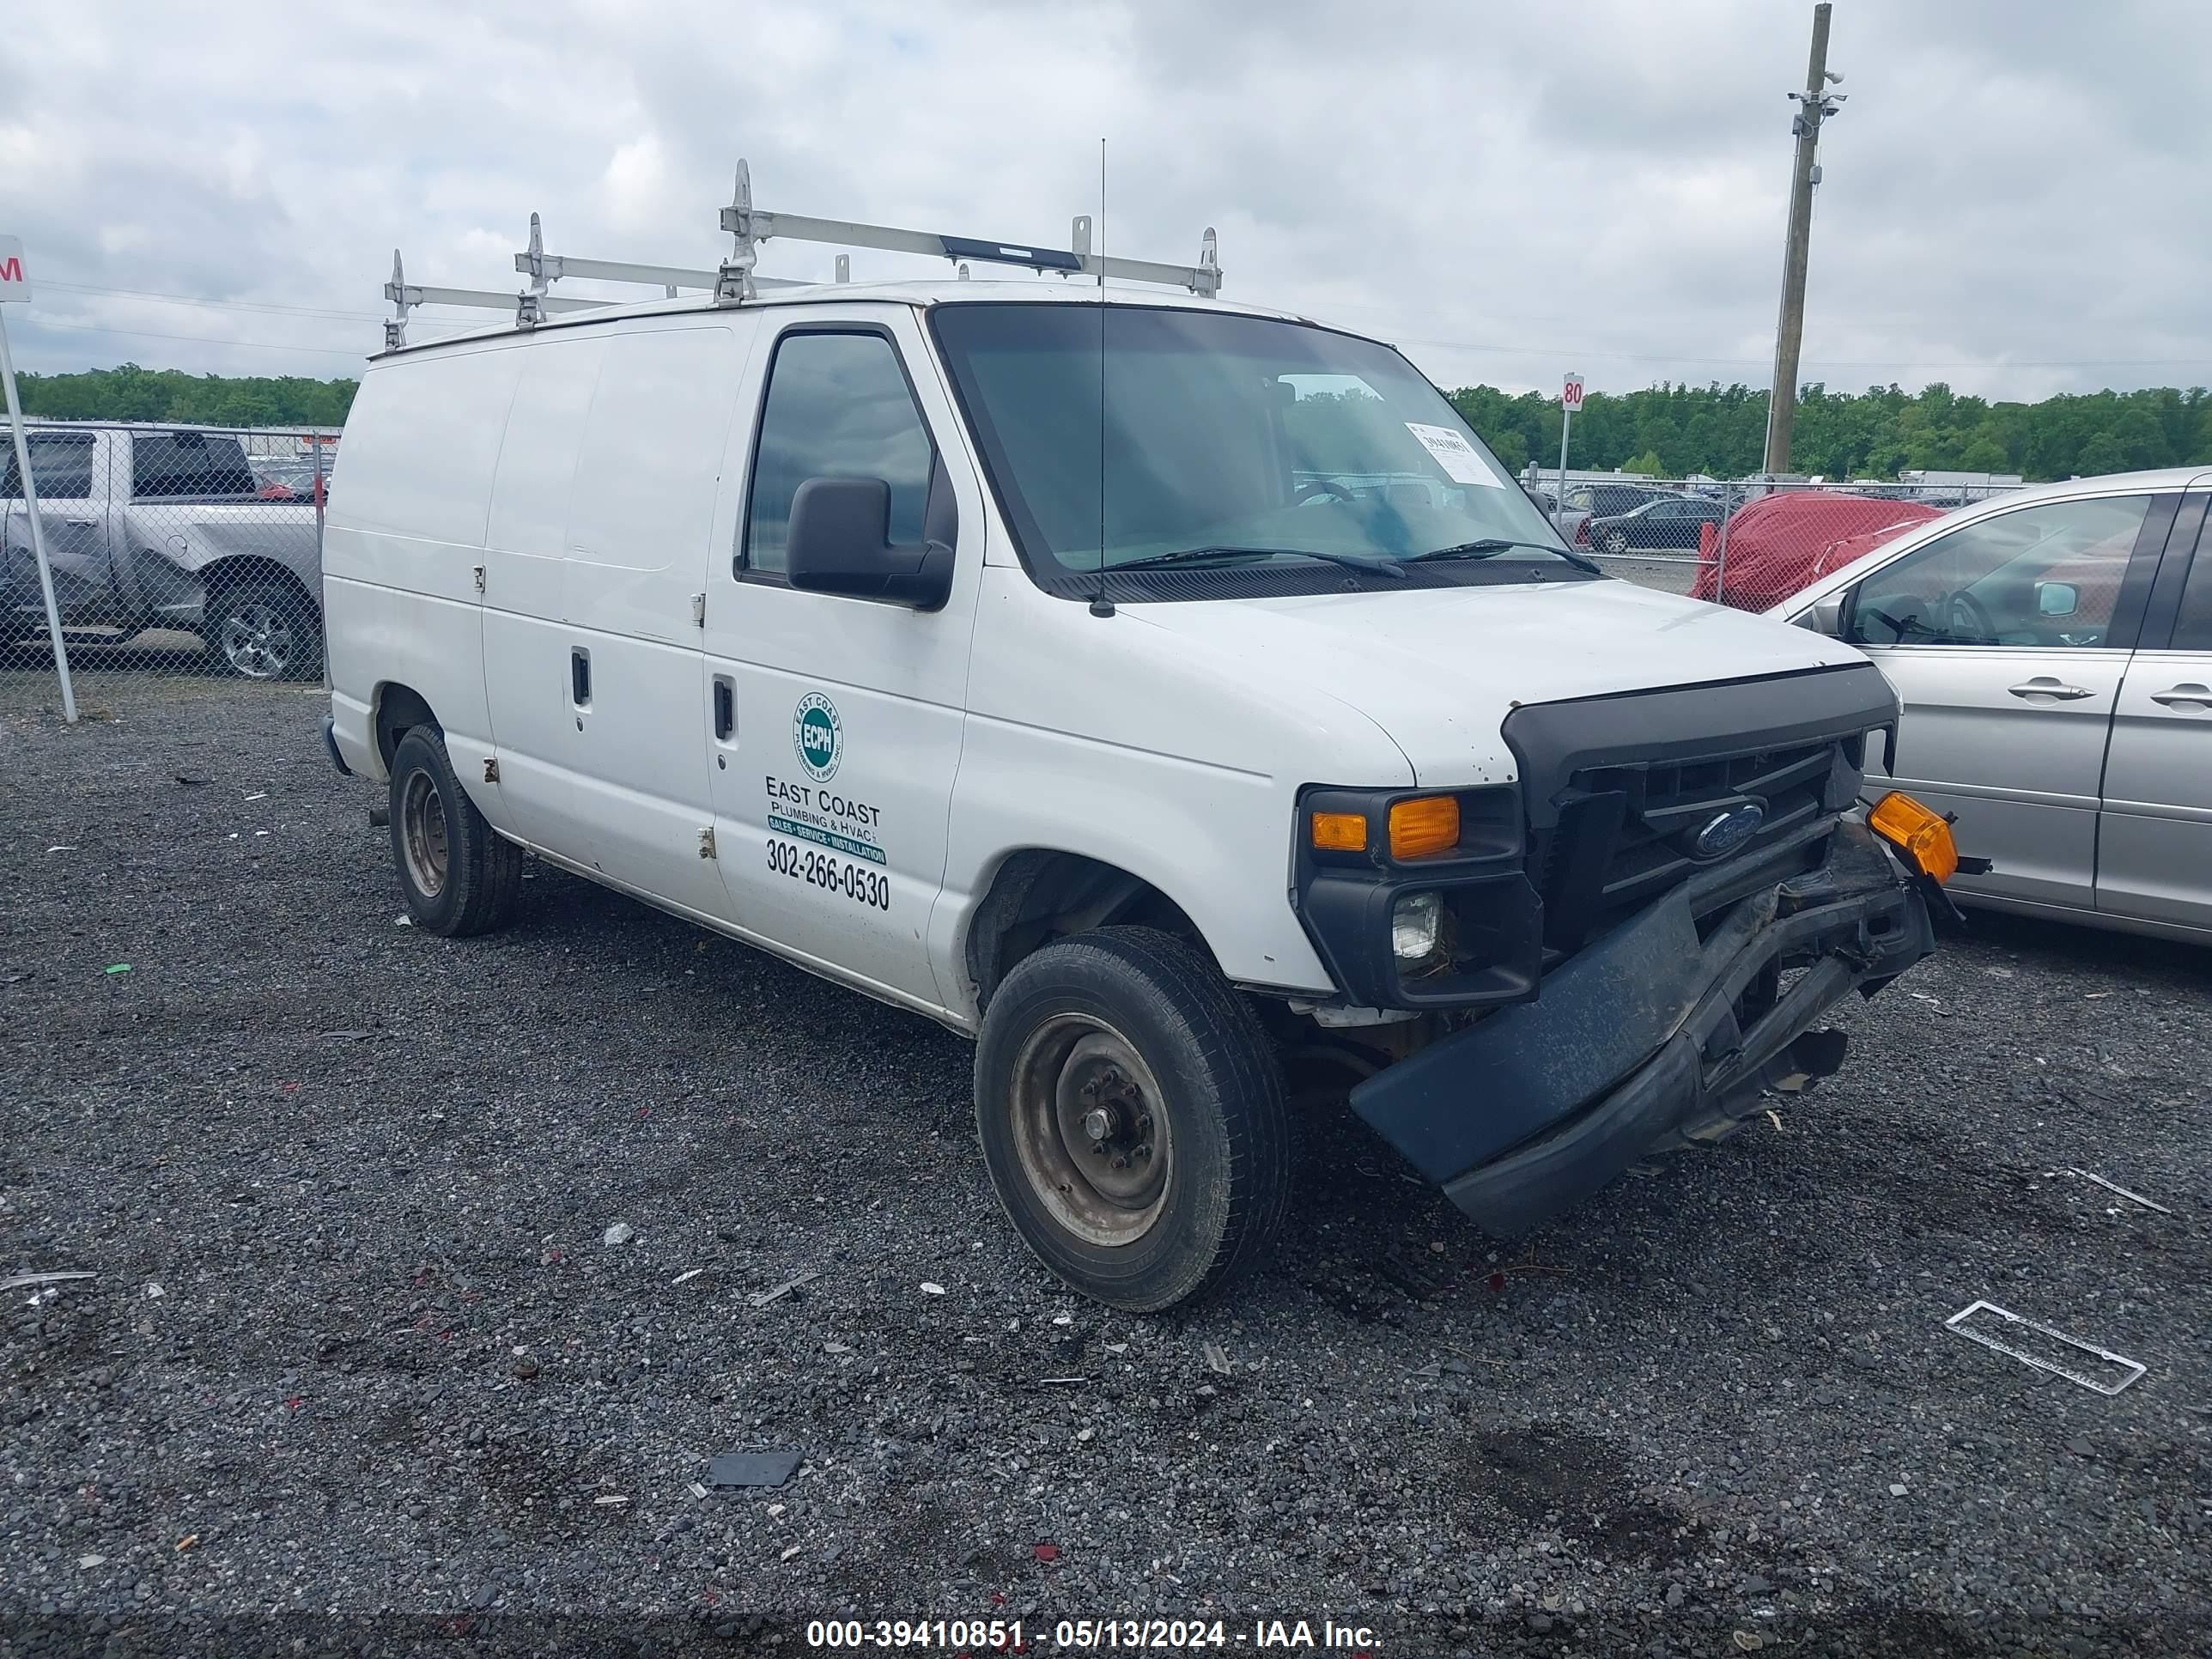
<point x="1455" y="455"/>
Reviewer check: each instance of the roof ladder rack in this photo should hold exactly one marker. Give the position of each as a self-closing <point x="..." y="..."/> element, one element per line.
<point x="734" y="281"/>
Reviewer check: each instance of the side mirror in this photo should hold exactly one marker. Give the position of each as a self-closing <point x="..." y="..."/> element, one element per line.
<point x="2056" y="598"/>
<point x="1825" y="615"/>
<point x="839" y="542"/>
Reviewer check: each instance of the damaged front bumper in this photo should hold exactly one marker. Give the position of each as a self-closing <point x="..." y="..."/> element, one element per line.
<point x="1660" y="1034"/>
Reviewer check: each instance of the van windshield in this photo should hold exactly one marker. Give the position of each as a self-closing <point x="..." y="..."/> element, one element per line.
<point x="1227" y="440"/>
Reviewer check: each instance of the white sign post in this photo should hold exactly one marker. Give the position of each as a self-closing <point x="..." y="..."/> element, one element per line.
<point x="1570" y="401"/>
<point x="15" y="286"/>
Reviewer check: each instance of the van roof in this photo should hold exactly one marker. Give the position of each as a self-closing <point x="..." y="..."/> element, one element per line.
<point x="936" y="291"/>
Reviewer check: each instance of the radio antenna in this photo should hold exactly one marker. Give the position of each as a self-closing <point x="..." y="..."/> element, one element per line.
<point x="1100" y="604"/>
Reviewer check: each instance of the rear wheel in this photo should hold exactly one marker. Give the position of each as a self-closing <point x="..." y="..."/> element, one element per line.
<point x="1616" y="541"/>
<point x="457" y="875"/>
<point x="264" y="631"/>
<point x="1132" y="1117"/>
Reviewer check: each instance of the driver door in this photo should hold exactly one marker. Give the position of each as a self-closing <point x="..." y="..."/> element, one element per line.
<point x="2006" y="641"/>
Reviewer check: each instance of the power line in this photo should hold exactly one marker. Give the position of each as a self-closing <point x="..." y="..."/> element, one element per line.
<point x="270" y="306"/>
<point x="203" y="339"/>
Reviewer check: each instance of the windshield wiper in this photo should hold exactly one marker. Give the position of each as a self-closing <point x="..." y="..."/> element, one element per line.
<point x="1202" y="555"/>
<point x="1491" y="546"/>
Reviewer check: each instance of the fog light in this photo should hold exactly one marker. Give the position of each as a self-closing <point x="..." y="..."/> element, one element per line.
<point x="1414" y="923"/>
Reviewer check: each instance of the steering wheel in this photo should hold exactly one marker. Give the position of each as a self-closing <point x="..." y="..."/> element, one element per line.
<point x="1314" y="488"/>
<point x="1968" y="618"/>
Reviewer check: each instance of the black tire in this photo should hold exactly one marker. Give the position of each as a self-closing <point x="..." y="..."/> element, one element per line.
<point x="1054" y="1031"/>
<point x="262" y="630"/>
<point x="458" y="875"/>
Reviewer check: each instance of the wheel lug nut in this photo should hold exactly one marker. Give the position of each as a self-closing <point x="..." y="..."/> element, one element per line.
<point x="1119" y="1162"/>
<point x="1144" y="1151"/>
<point x="1099" y="1148"/>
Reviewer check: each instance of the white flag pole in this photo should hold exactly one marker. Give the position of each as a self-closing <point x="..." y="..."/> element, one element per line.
<point x="37" y="532"/>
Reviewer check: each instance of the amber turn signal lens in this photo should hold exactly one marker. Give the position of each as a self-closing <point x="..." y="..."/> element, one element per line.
<point x="1924" y="837"/>
<point x="1418" y="828"/>
<point x="1339" y="832"/>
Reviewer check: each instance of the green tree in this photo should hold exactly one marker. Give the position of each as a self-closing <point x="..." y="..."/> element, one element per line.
<point x="1647" y="464"/>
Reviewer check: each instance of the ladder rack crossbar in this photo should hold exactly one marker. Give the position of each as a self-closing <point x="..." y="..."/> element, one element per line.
<point x="733" y="282"/>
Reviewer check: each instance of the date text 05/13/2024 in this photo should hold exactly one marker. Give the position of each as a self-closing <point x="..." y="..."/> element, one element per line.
<point x="980" y="1635"/>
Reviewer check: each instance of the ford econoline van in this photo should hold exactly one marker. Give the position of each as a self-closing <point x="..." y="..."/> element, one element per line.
<point x="1161" y="691"/>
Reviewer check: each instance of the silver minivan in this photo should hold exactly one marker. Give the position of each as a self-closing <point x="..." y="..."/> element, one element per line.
<point x="2053" y="649"/>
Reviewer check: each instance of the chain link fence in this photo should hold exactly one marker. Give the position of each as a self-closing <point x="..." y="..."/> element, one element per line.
<point x="1747" y="544"/>
<point x="177" y="552"/>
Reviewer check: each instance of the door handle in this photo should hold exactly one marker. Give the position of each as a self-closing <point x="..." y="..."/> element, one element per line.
<point x="580" y="676"/>
<point x="2187" y="692"/>
<point x="2044" y="686"/>
<point x="81" y="524"/>
<point x="725" y="709"/>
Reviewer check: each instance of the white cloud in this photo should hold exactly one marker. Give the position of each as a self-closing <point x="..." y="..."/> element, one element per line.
<point x="2012" y="201"/>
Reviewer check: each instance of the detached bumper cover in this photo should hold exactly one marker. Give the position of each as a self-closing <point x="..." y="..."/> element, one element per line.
<point x="1649" y="1036"/>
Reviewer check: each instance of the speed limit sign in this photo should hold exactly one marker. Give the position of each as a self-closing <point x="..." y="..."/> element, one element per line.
<point x="1571" y="394"/>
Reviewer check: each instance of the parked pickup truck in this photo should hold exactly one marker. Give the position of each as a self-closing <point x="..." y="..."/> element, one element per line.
<point x="150" y="526"/>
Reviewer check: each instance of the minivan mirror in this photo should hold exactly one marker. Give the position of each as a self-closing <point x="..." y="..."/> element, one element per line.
<point x="1825" y="615"/>
<point x="2056" y="598"/>
<point x="839" y="542"/>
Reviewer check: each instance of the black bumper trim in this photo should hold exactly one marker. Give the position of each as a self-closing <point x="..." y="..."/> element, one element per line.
<point x="331" y="747"/>
<point x="1537" y="1106"/>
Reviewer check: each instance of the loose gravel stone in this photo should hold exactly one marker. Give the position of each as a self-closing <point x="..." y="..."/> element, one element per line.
<point x="366" y="1166"/>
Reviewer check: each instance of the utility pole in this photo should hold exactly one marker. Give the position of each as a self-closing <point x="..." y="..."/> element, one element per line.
<point x="1814" y="104"/>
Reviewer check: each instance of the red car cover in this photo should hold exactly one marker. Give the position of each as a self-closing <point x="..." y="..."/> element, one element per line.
<point x="1780" y="542"/>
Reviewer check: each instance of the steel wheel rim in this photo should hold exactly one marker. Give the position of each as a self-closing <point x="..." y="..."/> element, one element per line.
<point x="422" y="835"/>
<point x="1107" y="1190"/>
<point x="257" y="641"/>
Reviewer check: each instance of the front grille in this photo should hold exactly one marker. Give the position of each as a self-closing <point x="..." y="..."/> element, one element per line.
<point x="1623" y="830"/>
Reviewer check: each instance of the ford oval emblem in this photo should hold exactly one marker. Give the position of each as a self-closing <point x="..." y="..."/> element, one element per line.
<point x="1728" y="831"/>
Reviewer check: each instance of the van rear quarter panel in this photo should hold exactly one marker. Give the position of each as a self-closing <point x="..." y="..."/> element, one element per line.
<point x="403" y="541"/>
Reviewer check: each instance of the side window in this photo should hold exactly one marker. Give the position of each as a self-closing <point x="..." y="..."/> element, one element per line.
<point x="61" y="466"/>
<point x="838" y="407"/>
<point x="2042" y="575"/>
<point x="188" y="464"/>
<point x="2192" y="627"/>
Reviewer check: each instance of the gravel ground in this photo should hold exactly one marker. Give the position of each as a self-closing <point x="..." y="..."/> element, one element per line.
<point x="358" y="1368"/>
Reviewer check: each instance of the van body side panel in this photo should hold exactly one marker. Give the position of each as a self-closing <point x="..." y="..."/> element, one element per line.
<point x="642" y="518"/>
<point x="402" y="543"/>
<point x="1112" y="738"/>
<point x="525" y="636"/>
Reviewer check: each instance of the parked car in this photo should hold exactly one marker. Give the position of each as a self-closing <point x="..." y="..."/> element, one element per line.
<point x="1605" y="501"/>
<point x="162" y="527"/>
<point x="1567" y="521"/>
<point x="814" y="619"/>
<point x="1668" y="521"/>
<point x="288" y="477"/>
<point x="2053" y="649"/>
<point x="1782" y="541"/>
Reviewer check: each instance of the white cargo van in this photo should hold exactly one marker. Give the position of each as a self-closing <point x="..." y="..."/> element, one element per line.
<point x="1160" y="690"/>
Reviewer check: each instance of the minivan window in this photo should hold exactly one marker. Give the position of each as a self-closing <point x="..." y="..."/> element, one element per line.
<point x="838" y="407"/>
<point x="61" y="466"/>
<point x="2040" y="575"/>
<point x="1226" y="438"/>
<point x="2192" y="628"/>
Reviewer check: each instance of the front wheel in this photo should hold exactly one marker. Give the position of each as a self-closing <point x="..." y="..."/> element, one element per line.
<point x="1131" y="1118"/>
<point x="1616" y="541"/>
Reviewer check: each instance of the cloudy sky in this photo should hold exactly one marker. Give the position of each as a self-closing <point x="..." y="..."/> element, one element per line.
<point x="2015" y="197"/>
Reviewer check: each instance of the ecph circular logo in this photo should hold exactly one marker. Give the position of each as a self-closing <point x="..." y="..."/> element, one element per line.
<point x="818" y="736"/>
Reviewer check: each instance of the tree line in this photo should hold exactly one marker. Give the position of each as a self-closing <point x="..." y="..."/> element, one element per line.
<point x="1668" y="430"/>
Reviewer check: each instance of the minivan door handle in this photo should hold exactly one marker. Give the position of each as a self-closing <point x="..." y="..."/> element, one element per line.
<point x="580" y="676"/>
<point x="2187" y="692"/>
<point x="2043" y="685"/>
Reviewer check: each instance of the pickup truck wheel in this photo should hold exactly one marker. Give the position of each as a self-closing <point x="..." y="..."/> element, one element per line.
<point x="264" y="631"/>
<point x="457" y="875"/>
<point x="1132" y="1117"/>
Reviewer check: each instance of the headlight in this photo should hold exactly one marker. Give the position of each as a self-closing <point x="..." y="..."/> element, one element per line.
<point x="1414" y="922"/>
